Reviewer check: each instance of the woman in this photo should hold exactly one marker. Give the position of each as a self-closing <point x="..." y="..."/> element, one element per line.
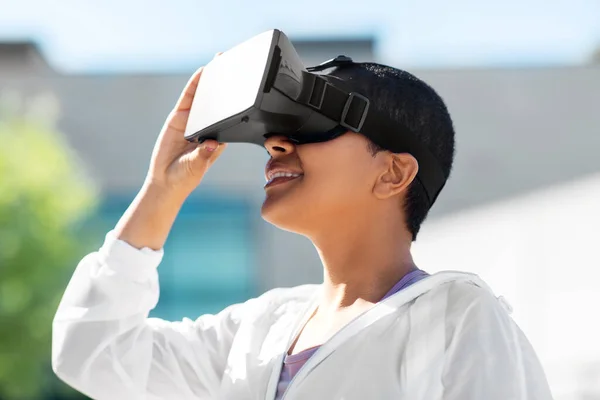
<point x="376" y="328"/>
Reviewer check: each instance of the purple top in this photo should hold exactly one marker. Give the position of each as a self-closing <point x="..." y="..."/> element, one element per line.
<point x="293" y="363"/>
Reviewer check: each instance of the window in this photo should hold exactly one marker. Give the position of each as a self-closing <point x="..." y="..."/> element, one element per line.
<point x="208" y="262"/>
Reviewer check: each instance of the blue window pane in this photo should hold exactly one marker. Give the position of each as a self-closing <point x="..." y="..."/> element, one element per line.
<point x="208" y="262"/>
<point x="201" y="254"/>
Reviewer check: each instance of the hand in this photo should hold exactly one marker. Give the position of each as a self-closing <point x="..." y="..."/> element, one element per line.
<point x="177" y="166"/>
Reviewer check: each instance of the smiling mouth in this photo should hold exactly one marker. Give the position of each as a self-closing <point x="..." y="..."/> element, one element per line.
<point x="280" y="178"/>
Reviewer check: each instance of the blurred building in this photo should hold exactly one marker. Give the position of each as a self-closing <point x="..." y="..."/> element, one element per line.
<point x="537" y="250"/>
<point x="525" y="137"/>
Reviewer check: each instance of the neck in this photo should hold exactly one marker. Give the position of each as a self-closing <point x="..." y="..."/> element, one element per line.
<point x="363" y="258"/>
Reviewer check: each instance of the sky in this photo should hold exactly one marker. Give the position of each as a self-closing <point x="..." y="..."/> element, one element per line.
<point x="154" y="35"/>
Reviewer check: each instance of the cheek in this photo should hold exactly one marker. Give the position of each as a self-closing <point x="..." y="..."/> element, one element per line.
<point x="343" y="184"/>
<point x="337" y="181"/>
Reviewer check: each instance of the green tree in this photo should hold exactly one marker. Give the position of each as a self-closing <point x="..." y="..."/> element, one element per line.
<point x="44" y="198"/>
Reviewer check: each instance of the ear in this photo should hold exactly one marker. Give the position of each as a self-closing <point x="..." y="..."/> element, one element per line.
<point x="400" y="170"/>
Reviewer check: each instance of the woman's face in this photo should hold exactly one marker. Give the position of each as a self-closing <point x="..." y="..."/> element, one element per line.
<point x="318" y="185"/>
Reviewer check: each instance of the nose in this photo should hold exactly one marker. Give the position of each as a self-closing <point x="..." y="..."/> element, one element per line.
<point x="279" y="146"/>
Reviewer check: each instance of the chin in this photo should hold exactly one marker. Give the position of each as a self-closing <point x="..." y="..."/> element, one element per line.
<point x="284" y="216"/>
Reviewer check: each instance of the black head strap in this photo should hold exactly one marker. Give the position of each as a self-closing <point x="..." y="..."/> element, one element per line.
<point x="352" y="111"/>
<point x="334" y="62"/>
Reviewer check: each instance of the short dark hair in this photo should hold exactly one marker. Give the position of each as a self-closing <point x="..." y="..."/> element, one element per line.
<point x="410" y="101"/>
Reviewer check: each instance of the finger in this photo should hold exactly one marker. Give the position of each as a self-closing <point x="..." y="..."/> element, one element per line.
<point x="210" y="145"/>
<point x="214" y="149"/>
<point x="187" y="96"/>
<point x="207" y="152"/>
<point x="218" y="151"/>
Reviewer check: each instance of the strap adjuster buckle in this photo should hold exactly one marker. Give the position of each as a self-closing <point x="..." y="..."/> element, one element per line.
<point x="347" y="106"/>
<point x="317" y="92"/>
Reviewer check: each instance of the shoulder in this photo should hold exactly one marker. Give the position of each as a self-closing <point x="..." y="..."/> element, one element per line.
<point x="300" y="293"/>
<point x="465" y="316"/>
<point x="464" y="290"/>
<point x="466" y="300"/>
<point x="282" y="298"/>
<point x="278" y="301"/>
<point x="473" y="294"/>
<point x="483" y="345"/>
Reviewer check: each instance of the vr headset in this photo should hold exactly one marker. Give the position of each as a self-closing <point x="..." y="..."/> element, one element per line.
<point x="260" y="88"/>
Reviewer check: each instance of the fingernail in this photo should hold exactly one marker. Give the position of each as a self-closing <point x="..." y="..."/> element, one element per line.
<point x="210" y="147"/>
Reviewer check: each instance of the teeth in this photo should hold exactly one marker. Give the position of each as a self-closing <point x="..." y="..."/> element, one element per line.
<point x="284" y="174"/>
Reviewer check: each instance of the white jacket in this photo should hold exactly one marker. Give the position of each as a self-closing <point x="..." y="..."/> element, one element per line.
<point x="445" y="337"/>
